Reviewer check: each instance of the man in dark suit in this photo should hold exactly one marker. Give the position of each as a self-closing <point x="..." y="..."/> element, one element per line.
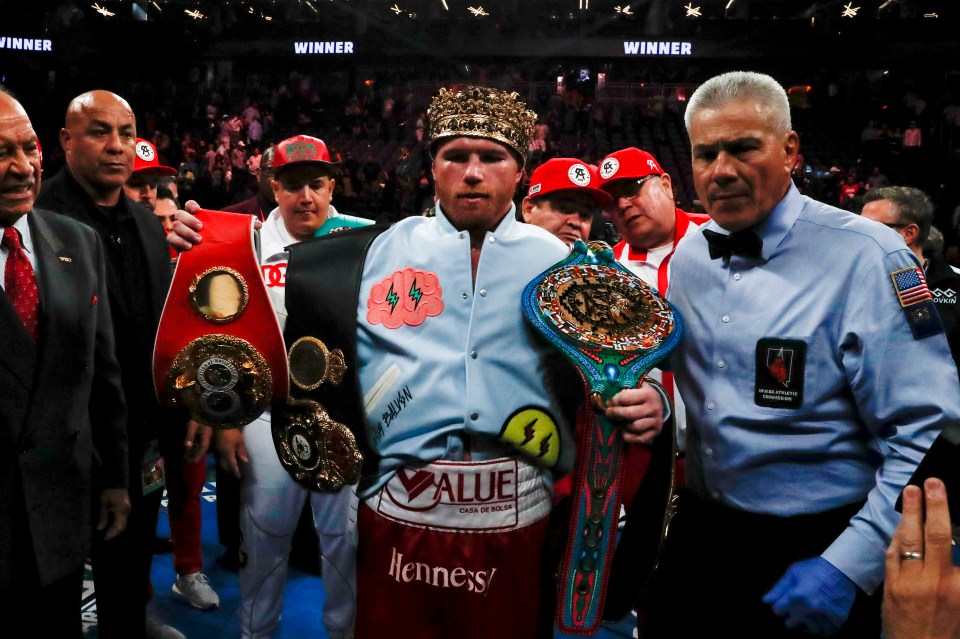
<point x="62" y="410"/>
<point x="98" y="141"/>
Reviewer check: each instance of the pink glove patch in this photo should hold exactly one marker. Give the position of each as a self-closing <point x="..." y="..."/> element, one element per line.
<point x="406" y="297"/>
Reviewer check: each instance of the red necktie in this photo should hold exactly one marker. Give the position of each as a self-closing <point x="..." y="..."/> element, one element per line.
<point x="20" y="282"/>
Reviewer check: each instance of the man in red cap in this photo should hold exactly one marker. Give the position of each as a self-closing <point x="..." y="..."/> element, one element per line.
<point x="141" y="186"/>
<point x="644" y="213"/>
<point x="647" y="219"/>
<point x="271" y="501"/>
<point x="563" y="196"/>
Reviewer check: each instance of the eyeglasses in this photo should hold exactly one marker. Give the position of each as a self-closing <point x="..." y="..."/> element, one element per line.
<point x="895" y="226"/>
<point x="628" y="189"/>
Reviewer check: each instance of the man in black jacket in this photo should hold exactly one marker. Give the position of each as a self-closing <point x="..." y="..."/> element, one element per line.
<point x="98" y="139"/>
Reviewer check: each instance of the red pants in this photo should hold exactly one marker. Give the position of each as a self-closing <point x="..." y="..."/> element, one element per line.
<point x="184" y="485"/>
<point x="453" y="578"/>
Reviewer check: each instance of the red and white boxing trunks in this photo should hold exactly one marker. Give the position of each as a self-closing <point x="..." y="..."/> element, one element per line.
<point x="452" y="549"/>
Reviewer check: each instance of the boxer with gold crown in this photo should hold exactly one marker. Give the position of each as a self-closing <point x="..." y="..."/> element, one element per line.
<point x="460" y="411"/>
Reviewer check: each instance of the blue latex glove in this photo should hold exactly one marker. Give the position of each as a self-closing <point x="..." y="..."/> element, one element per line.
<point x="813" y="596"/>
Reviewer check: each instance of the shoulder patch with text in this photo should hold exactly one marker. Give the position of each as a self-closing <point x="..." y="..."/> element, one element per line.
<point x="407" y="297"/>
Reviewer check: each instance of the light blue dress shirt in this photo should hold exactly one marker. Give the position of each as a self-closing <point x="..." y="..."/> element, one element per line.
<point x="873" y="397"/>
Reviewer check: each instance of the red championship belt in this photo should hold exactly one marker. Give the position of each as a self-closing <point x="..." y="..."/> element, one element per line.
<point x="219" y="351"/>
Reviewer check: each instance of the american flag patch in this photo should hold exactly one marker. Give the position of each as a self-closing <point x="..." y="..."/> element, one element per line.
<point x="911" y="286"/>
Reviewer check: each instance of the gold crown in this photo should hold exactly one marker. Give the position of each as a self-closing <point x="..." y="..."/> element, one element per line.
<point x="480" y="112"/>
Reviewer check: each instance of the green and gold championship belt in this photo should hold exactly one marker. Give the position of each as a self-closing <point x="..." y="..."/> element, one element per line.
<point x="614" y="329"/>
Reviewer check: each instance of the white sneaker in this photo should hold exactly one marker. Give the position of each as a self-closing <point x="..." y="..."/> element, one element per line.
<point x="156" y="629"/>
<point x="195" y="589"/>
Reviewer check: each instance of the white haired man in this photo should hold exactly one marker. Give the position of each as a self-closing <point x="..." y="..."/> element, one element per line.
<point x="815" y="375"/>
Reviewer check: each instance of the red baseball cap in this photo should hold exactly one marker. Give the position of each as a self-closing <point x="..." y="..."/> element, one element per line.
<point x="567" y="174"/>
<point x="146" y="160"/>
<point x="301" y="149"/>
<point x="627" y="164"/>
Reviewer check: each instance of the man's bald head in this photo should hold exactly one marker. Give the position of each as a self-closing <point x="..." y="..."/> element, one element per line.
<point x="19" y="160"/>
<point x="93" y="101"/>
<point x="98" y="139"/>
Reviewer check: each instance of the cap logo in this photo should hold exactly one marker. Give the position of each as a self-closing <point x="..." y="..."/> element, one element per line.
<point x="535" y="189"/>
<point x="653" y="165"/>
<point x="579" y="175"/>
<point x="300" y="151"/>
<point x="609" y="168"/>
<point x="145" y="152"/>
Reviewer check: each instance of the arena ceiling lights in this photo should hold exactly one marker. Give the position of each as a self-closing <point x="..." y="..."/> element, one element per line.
<point x="285" y="11"/>
<point x="106" y="13"/>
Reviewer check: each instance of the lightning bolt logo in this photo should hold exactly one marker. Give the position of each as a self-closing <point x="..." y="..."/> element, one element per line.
<point x="532" y="431"/>
<point x="529" y="432"/>
<point x="392" y="299"/>
<point x="545" y="445"/>
<point x="415" y="293"/>
<point x="406" y="298"/>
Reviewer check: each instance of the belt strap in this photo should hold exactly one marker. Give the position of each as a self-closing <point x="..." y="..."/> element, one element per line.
<point x="322" y="293"/>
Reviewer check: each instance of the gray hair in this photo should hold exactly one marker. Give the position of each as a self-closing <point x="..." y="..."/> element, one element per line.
<point x="743" y="85"/>
<point x="913" y="206"/>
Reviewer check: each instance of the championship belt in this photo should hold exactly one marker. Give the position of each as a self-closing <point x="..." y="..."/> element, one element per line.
<point x="317" y="451"/>
<point x="614" y="329"/>
<point x="219" y="351"/>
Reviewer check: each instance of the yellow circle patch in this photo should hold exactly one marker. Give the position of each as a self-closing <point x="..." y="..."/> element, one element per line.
<point x="533" y="432"/>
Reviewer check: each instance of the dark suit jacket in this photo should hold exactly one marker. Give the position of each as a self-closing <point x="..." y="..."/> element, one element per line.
<point x="64" y="195"/>
<point x="62" y="410"/>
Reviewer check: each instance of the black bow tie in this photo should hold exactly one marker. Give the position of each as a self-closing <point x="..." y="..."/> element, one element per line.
<point x="743" y="243"/>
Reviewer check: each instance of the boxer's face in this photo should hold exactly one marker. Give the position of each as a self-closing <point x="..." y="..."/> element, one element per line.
<point x="475" y="179"/>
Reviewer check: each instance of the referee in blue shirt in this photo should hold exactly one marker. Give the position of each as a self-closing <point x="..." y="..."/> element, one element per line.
<point x="815" y="375"/>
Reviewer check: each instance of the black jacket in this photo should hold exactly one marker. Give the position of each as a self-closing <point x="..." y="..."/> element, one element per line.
<point x="944" y="285"/>
<point x="135" y="320"/>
